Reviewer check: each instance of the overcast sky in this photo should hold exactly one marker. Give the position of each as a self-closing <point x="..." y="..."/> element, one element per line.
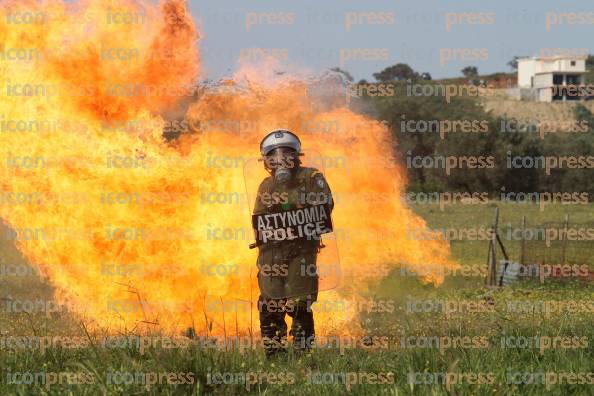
<point x="314" y="35"/>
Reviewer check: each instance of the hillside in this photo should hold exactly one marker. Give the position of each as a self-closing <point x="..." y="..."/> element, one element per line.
<point x="559" y="112"/>
<point x="501" y="105"/>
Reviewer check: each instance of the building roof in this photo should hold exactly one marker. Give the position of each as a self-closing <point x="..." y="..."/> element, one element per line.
<point x="561" y="72"/>
<point x="553" y="58"/>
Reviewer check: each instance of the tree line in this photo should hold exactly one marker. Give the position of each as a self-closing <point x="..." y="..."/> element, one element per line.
<point x="478" y="134"/>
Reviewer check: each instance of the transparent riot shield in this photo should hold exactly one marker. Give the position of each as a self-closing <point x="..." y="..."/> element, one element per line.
<point x="288" y="221"/>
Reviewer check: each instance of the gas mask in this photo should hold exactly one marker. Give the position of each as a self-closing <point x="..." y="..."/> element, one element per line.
<point x="282" y="163"/>
<point x="282" y="176"/>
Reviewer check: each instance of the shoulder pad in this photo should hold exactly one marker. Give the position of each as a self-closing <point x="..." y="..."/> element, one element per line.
<point x="319" y="179"/>
<point x="267" y="183"/>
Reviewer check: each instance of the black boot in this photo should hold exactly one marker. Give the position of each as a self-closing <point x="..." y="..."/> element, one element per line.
<point x="273" y="329"/>
<point x="302" y="328"/>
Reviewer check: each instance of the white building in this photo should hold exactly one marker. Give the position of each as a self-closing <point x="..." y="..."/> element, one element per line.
<point x="546" y="79"/>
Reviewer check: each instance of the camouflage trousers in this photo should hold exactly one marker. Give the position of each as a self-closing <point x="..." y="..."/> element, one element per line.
<point x="274" y="328"/>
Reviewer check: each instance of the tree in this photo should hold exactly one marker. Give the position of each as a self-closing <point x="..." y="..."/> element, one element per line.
<point x="425" y="126"/>
<point x="513" y="63"/>
<point x="470" y="71"/>
<point x="398" y="72"/>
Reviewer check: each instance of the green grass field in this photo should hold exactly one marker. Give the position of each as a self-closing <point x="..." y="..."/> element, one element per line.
<point x="478" y="352"/>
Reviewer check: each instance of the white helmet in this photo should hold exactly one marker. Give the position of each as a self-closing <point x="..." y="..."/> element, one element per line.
<point x="280" y="138"/>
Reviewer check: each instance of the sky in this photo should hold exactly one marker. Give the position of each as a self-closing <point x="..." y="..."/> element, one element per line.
<point x="436" y="36"/>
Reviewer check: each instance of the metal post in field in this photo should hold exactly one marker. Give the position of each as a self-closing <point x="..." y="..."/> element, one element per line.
<point x="488" y="277"/>
<point x="492" y="255"/>
<point x="564" y="240"/>
<point x="523" y="245"/>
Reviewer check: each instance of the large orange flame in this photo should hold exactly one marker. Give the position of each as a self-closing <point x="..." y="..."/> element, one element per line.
<point x="119" y="219"/>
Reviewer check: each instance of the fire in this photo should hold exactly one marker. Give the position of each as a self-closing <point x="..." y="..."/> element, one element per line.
<point x="121" y="220"/>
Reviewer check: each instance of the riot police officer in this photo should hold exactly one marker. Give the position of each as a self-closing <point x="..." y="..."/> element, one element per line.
<point x="287" y="275"/>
